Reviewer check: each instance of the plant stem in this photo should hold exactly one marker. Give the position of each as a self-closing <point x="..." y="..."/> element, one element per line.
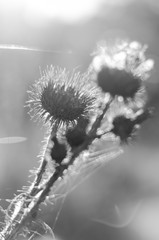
<point x="38" y="192"/>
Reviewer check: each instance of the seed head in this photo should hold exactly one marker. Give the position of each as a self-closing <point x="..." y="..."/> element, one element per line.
<point x="60" y="97"/>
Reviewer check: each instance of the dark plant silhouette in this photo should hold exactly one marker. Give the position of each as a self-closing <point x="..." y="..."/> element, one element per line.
<point x="81" y="112"/>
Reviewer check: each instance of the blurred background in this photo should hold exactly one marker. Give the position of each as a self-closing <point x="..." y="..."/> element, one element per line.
<point x="67" y="32"/>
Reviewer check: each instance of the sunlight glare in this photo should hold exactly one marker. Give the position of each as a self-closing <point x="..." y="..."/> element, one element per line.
<point x="63" y="10"/>
<point x="66" y="10"/>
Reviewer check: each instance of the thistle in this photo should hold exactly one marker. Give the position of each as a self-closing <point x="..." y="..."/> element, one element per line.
<point x="82" y="112"/>
<point x="125" y="128"/>
<point x="122" y="70"/>
<point x="61" y="97"/>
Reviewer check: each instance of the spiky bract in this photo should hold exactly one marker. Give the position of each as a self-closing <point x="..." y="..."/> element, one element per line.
<point x="60" y="97"/>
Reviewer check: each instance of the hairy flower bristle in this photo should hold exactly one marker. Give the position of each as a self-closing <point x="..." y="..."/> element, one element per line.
<point x="121" y="70"/>
<point x="62" y="97"/>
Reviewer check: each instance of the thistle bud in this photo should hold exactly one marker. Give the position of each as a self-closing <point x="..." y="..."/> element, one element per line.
<point x="76" y="135"/>
<point x="58" y="151"/>
<point x="124" y="127"/>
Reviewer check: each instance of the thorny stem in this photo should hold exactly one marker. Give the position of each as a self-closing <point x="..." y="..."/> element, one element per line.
<point x="37" y="194"/>
<point x="41" y="169"/>
<point x="39" y="176"/>
<point x="33" y="189"/>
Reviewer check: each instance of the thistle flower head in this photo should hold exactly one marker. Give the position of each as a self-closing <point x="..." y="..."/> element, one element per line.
<point x="60" y="97"/>
<point x="121" y="70"/>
